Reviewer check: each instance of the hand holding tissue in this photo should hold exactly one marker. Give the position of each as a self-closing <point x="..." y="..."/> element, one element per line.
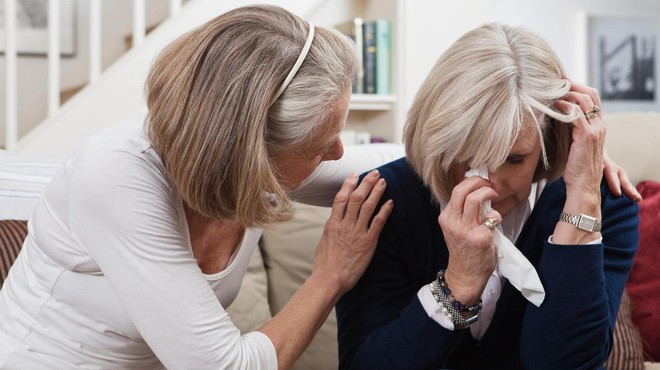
<point x="511" y="263"/>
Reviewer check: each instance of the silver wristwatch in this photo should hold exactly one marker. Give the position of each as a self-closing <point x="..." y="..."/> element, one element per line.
<point x="582" y="222"/>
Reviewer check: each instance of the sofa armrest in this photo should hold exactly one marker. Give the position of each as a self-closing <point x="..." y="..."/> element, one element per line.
<point x="12" y="235"/>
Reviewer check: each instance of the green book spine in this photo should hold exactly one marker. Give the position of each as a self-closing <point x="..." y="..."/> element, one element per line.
<point x="383" y="56"/>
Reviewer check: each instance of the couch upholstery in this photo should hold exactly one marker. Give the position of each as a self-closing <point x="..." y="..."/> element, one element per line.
<point x="286" y="251"/>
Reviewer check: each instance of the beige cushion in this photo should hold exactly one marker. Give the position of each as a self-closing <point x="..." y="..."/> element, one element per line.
<point x="633" y="141"/>
<point x="250" y="308"/>
<point x="288" y="250"/>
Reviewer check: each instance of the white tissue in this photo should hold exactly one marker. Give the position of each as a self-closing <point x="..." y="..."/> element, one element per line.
<point x="511" y="263"/>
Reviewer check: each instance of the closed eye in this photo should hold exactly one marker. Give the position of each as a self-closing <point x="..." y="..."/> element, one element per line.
<point x="515" y="159"/>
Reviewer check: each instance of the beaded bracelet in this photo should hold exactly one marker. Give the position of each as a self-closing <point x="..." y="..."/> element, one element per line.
<point x="451" y="306"/>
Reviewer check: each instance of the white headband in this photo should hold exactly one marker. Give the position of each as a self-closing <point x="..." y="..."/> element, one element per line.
<point x="301" y="59"/>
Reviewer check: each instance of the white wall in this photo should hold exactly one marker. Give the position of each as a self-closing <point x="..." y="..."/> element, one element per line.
<point x="430" y="27"/>
<point x="433" y="25"/>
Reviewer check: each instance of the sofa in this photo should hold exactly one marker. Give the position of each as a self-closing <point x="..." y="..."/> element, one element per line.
<point x="285" y="256"/>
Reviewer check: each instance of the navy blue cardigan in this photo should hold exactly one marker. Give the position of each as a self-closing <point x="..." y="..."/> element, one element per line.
<point x="382" y="324"/>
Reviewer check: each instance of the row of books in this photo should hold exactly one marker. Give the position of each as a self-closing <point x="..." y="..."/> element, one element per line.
<point x="374" y="45"/>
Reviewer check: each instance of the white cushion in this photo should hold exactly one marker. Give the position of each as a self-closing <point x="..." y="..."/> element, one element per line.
<point x="22" y="180"/>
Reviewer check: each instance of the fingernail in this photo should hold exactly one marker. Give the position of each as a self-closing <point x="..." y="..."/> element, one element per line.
<point x="381" y="182"/>
<point x="352" y="175"/>
<point x="374" y="172"/>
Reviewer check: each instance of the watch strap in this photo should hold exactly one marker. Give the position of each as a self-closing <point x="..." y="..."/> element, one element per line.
<point x="582" y="221"/>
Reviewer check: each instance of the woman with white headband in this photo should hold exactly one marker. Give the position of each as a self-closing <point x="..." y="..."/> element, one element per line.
<point x="142" y="239"/>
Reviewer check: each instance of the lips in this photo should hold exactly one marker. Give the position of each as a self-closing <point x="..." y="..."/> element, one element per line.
<point x="497" y="203"/>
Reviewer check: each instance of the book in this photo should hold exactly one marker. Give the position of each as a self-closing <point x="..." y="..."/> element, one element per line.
<point x="369" y="50"/>
<point x="383" y="56"/>
<point x="353" y="29"/>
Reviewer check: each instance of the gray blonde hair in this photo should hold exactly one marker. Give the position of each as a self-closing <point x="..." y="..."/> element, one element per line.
<point x="210" y="118"/>
<point x="472" y="106"/>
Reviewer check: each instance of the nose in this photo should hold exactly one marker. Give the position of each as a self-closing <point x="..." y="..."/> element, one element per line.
<point x="335" y="152"/>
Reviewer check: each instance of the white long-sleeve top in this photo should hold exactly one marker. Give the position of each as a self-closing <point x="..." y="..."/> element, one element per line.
<point x="107" y="278"/>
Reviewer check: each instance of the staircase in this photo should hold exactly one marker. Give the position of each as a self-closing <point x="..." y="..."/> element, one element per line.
<point x="116" y="93"/>
<point x="54" y="49"/>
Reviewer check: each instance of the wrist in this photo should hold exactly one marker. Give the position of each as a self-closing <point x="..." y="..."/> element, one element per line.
<point x="580" y="220"/>
<point x="578" y="200"/>
<point x="466" y="290"/>
<point x="460" y="314"/>
<point x="327" y="281"/>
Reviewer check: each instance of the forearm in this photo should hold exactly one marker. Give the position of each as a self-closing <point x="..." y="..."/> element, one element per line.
<point x="293" y="328"/>
<point x="571" y="328"/>
<point x="584" y="283"/>
<point x="367" y="340"/>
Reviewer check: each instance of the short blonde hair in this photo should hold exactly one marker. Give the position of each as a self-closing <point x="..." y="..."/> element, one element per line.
<point x="210" y="117"/>
<point x="472" y="106"/>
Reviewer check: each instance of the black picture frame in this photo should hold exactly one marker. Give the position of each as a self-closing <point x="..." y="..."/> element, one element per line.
<point x="32" y="27"/>
<point x="623" y="57"/>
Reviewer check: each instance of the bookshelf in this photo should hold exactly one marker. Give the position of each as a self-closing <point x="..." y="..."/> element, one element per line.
<point x="381" y="115"/>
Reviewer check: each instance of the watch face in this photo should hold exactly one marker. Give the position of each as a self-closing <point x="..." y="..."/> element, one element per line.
<point x="586" y="223"/>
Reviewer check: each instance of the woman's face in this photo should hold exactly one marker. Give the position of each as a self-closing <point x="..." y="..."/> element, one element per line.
<point x="296" y="165"/>
<point x="512" y="180"/>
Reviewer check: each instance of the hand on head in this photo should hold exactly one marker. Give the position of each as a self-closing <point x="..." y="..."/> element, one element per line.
<point x="584" y="167"/>
<point x="589" y="135"/>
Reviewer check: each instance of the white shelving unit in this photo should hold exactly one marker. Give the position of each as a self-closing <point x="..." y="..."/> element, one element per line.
<point x="372" y="102"/>
<point x="383" y="116"/>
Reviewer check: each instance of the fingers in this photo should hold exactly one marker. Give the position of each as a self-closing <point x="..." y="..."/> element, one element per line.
<point x="611" y="173"/>
<point x="617" y="179"/>
<point x="357" y="205"/>
<point x="467" y="200"/>
<point x="628" y="188"/>
<point x="590" y="91"/>
<point x="493" y="215"/>
<point x="472" y="210"/>
<point x="341" y="199"/>
<point x="379" y="220"/>
<point x="359" y="200"/>
<point x="584" y="98"/>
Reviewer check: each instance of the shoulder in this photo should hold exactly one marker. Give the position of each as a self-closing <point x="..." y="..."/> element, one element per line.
<point x="414" y="206"/>
<point x="401" y="178"/>
<point x="116" y="170"/>
<point x="115" y="154"/>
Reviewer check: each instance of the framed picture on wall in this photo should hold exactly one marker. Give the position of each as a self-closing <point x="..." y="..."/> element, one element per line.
<point x="32" y="27"/>
<point x="623" y="57"/>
